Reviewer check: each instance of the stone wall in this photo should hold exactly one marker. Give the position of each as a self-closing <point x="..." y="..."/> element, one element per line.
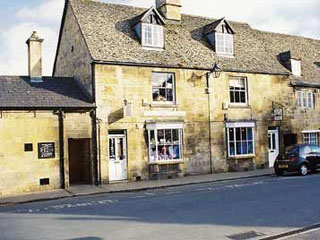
<point x="73" y="58"/>
<point x="22" y="170"/>
<point x="119" y="84"/>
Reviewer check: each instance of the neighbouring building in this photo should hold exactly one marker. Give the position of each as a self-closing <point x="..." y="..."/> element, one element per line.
<point x="45" y="125"/>
<point x="172" y="94"/>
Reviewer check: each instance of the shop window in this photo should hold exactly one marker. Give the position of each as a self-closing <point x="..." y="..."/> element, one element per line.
<point x="163" y="88"/>
<point x="165" y="144"/>
<point x="305" y="99"/>
<point x="28" y="147"/>
<point x="240" y="139"/>
<point x="310" y="138"/>
<point x="238" y="90"/>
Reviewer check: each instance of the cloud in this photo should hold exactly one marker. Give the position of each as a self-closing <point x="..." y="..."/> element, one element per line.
<point x="14" y="54"/>
<point x="45" y="18"/>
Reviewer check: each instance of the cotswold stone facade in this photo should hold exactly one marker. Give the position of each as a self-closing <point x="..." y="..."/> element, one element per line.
<point x="236" y="121"/>
<point x="156" y="94"/>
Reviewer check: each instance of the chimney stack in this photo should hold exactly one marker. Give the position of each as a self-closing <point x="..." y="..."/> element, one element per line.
<point x="170" y="9"/>
<point x="35" y="57"/>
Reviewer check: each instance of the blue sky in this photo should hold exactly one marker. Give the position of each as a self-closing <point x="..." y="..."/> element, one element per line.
<point x="18" y="18"/>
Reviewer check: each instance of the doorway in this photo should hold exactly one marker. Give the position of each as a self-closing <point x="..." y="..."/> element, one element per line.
<point x="274" y="146"/>
<point x="79" y="161"/>
<point x="117" y="156"/>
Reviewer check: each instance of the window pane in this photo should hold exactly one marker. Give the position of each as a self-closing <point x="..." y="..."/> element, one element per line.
<point x="168" y="136"/>
<point x="169" y="95"/>
<point x="175" y="136"/>
<point x="163" y="153"/>
<point x="237" y="97"/>
<point x="231" y="147"/>
<point x="238" y="148"/>
<point x="176" y="152"/>
<point x="161" y="136"/>
<point x="273" y="141"/>
<point x="242" y="97"/>
<point x="112" y="148"/>
<point x="153" y="154"/>
<point x="162" y="95"/>
<point x="244" y="134"/>
<point x="232" y="99"/>
<point x="244" y="147"/>
<point x="250" y="136"/>
<point x="231" y="134"/>
<point x="250" y="147"/>
<point x="155" y="95"/>
<point x="238" y="134"/>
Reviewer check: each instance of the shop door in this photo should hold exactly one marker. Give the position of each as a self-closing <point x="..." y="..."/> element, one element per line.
<point x="273" y="136"/>
<point x="117" y="157"/>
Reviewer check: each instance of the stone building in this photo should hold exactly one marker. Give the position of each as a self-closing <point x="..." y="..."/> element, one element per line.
<point x="160" y="94"/>
<point x="178" y="94"/>
<point x="45" y="124"/>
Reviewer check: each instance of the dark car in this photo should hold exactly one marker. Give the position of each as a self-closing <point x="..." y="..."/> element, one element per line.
<point x="300" y="158"/>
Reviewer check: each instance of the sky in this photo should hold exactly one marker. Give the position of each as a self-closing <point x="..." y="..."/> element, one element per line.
<point x="18" y="18"/>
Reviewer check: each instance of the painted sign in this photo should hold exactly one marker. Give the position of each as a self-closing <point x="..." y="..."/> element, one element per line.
<point x="46" y="150"/>
<point x="277" y="114"/>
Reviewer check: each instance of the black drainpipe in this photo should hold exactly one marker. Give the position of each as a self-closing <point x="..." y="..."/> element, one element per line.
<point x="94" y="146"/>
<point x="61" y="147"/>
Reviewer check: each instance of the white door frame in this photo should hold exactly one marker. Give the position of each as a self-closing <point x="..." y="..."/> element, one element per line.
<point x="118" y="167"/>
<point x="273" y="145"/>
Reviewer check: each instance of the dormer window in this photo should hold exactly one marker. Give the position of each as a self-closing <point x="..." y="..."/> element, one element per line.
<point x="149" y="28"/>
<point x="224" y="43"/>
<point x="220" y="36"/>
<point x="152" y="35"/>
<point x="296" y="67"/>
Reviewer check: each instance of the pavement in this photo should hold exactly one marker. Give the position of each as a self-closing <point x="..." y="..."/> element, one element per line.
<point x="84" y="190"/>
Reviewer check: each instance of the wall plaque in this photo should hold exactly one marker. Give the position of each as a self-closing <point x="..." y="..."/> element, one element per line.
<point x="277" y="114"/>
<point x="46" y="150"/>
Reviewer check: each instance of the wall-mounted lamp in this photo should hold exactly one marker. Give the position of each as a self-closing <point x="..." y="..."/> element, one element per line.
<point x="216" y="71"/>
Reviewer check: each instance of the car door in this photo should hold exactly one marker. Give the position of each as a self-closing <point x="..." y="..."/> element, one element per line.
<point x="316" y="152"/>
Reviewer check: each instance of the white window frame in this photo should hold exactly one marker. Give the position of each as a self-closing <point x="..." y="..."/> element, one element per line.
<point x="234" y="126"/>
<point x="305" y="99"/>
<point x="239" y="91"/>
<point x="154" y="158"/>
<point x="310" y="137"/>
<point x="224" y="44"/>
<point x="173" y="87"/>
<point x="296" y="67"/>
<point x="155" y="38"/>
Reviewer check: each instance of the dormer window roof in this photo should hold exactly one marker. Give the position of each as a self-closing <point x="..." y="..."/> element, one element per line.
<point x="220" y="36"/>
<point x="292" y="62"/>
<point x="149" y="28"/>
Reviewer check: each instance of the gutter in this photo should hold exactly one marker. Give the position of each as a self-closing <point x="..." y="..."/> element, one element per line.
<point x="154" y="65"/>
<point x="60" y="114"/>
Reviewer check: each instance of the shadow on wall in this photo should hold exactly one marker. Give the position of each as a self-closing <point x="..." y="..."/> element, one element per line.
<point x="116" y="116"/>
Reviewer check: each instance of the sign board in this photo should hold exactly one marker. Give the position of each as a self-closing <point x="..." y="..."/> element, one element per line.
<point x="46" y="150"/>
<point x="277" y="114"/>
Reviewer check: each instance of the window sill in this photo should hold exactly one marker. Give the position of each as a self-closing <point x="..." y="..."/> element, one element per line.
<point x="225" y="55"/>
<point x="234" y="105"/>
<point x="242" y="156"/>
<point x="165" y="162"/>
<point x="161" y="105"/>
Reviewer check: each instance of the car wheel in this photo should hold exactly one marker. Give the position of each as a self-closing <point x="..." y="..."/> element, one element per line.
<point x="303" y="169"/>
<point x="278" y="172"/>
